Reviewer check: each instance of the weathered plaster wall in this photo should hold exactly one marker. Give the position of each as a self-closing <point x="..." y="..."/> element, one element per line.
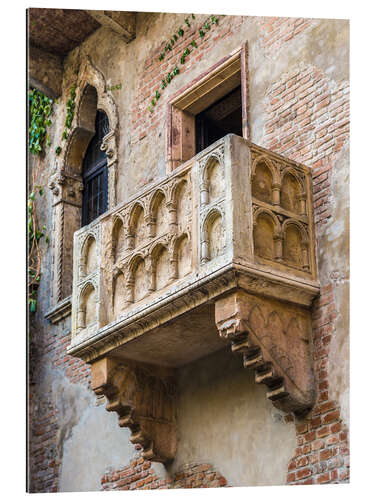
<point x="225" y="419"/>
<point x="333" y="254"/>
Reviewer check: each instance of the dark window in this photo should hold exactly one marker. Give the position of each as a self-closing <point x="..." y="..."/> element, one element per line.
<point x="94" y="173"/>
<point x="221" y="118"/>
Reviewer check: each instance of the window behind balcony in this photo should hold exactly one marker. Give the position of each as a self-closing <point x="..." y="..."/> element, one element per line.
<point x="221" y="118"/>
<point x="94" y="173"/>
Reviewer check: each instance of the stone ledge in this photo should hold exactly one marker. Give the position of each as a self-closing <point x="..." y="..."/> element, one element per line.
<point x="60" y="311"/>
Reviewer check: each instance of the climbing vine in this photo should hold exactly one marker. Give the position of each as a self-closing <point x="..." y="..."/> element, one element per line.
<point x="40" y="109"/>
<point x="70" y="107"/>
<point x="206" y="26"/>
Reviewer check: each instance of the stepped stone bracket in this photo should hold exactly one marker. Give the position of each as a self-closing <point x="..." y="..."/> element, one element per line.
<point x="274" y="339"/>
<point x="144" y="398"/>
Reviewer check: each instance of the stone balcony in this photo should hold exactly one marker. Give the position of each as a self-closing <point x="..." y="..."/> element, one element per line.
<point x="220" y="252"/>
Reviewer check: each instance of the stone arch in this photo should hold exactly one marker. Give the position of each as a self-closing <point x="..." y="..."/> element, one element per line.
<point x="136" y="226"/>
<point x="265" y="228"/>
<point x="119" y="289"/>
<point x="160" y="266"/>
<point x="118" y="238"/>
<point x="264" y="177"/>
<point x="138" y="282"/>
<point x="212" y="179"/>
<point x="87" y="314"/>
<point x="213" y="237"/>
<point x="159" y="213"/>
<point x="291" y="191"/>
<point x="182" y="199"/>
<point x="66" y="181"/>
<point x="88" y="257"/>
<point x="295" y="244"/>
<point x="182" y="255"/>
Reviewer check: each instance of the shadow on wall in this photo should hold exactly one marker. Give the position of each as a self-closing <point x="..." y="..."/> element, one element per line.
<point x="225" y="419"/>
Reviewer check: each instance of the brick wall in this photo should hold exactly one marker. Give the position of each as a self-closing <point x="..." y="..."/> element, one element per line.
<point x="275" y="31"/>
<point x="154" y="71"/>
<point x="308" y="120"/>
<point x="44" y="432"/>
<point x="140" y="475"/>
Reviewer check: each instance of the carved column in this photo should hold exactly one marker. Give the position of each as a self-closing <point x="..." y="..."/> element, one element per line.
<point x="109" y="146"/>
<point x="274" y="339"/>
<point x="302" y="203"/>
<point x="172" y="211"/>
<point x="150" y="224"/>
<point x="67" y="203"/>
<point x="144" y="398"/>
<point x="278" y="239"/>
<point x="276" y="188"/>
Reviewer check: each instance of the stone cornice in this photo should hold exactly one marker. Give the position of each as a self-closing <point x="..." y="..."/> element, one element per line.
<point x="60" y="311"/>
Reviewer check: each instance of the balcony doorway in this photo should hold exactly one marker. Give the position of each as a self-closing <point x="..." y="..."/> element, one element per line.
<point x="221" y="118"/>
<point x="210" y="107"/>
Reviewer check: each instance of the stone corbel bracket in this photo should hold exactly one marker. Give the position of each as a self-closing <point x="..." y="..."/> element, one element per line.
<point x="144" y="398"/>
<point x="274" y="339"/>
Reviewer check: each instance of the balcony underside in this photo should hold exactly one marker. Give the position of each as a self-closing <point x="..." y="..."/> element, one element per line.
<point x="219" y="254"/>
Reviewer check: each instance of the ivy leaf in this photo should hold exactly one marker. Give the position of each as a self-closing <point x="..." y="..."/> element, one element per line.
<point x="181" y="32"/>
<point x="32" y="303"/>
<point x="201" y="33"/>
<point x="194" y="44"/>
<point x="58" y="150"/>
<point x="32" y="196"/>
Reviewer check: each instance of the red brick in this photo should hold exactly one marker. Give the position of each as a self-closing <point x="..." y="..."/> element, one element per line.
<point x="323" y="478"/>
<point x="291" y="477"/>
<point x="331" y="417"/>
<point x="302" y="473"/>
<point x="310" y="436"/>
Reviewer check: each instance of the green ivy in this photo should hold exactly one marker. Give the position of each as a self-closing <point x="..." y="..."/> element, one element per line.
<point x="186" y="52"/>
<point x="40" y="110"/>
<point x="70" y="106"/>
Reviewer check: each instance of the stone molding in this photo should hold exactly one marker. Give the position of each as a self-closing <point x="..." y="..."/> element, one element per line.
<point x="275" y="340"/>
<point x="66" y="178"/>
<point x="60" y="311"/>
<point x="145" y="400"/>
<point x="232" y="228"/>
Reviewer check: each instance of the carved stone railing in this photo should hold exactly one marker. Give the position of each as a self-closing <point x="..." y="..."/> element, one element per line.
<point x="224" y="244"/>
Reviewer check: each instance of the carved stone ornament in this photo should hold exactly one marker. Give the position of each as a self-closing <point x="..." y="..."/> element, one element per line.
<point x="275" y="340"/>
<point x="66" y="179"/>
<point x="220" y="254"/>
<point x="145" y="402"/>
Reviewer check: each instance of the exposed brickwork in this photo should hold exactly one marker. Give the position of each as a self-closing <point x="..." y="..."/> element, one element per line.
<point x="44" y="455"/>
<point x="308" y="120"/>
<point x="143" y="122"/>
<point x="140" y="475"/>
<point x="275" y="31"/>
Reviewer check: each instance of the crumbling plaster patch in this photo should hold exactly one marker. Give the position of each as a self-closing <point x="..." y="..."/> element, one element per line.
<point x="325" y="45"/>
<point x="333" y="258"/>
<point x="78" y="419"/>
<point x="225" y="419"/>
